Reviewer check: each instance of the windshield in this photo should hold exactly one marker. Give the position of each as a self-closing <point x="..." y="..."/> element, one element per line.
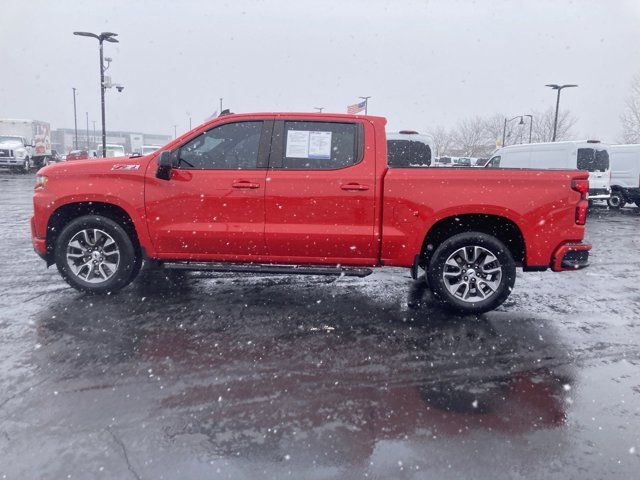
<point x="5" y="138"/>
<point x="593" y="160"/>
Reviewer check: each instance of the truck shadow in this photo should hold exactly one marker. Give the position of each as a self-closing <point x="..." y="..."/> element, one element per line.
<point x="254" y="367"/>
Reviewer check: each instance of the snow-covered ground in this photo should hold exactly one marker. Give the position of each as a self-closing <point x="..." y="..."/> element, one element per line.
<point x="239" y="376"/>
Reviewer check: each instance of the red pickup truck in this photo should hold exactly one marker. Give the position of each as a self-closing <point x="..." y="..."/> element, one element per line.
<point x="307" y="193"/>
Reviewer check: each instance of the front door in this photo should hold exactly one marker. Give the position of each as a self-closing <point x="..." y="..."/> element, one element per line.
<point x="320" y="198"/>
<point x="213" y="205"/>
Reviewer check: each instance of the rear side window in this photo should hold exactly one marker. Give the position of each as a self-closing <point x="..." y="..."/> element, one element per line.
<point x="319" y="145"/>
<point x="593" y="160"/>
<point x="408" y="154"/>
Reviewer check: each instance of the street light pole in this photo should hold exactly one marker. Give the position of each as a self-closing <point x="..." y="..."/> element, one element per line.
<point x="87" y="113"/>
<point x="103" y="37"/>
<point x="366" y="103"/>
<point x="75" y="120"/>
<point x="558" y="88"/>
<point x="530" y="126"/>
<point x="504" y="128"/>
<point x="220" y="111"/>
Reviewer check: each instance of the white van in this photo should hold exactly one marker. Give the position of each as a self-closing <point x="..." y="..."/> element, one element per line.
<point x="588" y="155"/>
<point x="625" y="175"/>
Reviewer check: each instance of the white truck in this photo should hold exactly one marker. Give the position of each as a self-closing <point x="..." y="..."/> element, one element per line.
<point x="24" y="144"/>
<point x="590" y="155"/>
<point x="625" y="175"/>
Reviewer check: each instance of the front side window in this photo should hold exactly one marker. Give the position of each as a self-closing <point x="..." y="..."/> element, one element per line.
<point x="494" y="162"/>
<point x="232" y="146"/>
<point x="319" y="145"/>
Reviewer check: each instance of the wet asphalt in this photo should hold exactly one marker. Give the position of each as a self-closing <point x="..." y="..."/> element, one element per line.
<point x="244" y="376"/>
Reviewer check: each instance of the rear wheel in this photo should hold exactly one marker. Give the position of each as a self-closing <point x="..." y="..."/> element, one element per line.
<point x="95" y="254"/>
<point x="472" y="272"/>
<point x="616" y="200"/>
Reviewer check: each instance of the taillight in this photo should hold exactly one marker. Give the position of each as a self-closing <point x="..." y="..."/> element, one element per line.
<point x="581" y="212"/>
<point x="581" y="186"/>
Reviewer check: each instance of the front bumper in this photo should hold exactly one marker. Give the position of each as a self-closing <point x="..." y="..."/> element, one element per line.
<point x="570" y="256"/>
<point x="39" y="244"/>
<point x="11" y="162"/>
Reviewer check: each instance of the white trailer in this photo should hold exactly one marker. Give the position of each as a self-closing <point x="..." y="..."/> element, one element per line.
<point x="36" y="141"/>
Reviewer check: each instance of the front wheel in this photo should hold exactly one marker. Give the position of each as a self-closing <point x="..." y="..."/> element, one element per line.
<point x="95" y="254"/>
<point x="472" y="272"/>
<point x="616" y="201"/>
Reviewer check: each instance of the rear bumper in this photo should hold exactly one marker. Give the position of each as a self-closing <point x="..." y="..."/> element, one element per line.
<point x="570" y="256"/>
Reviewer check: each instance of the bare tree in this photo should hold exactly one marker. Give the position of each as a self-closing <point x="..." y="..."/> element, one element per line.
<point x="631" y="116"/>
<point x="442" y="140"/>
<point x="543" y="125"/>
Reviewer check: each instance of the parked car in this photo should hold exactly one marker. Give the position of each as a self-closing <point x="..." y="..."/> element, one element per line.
<point x="78" y="155"/>
<point x="625" y="175"/>
<point x="461" y="162"/>
<point x="306" y="194"/>
<point x="14" y="153"/>
<point x="443" y="162"/>
<point x="589" y="155"/>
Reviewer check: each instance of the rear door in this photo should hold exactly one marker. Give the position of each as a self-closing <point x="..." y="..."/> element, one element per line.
<point x="320" y="193"/>
<point x="212" y="207"/>
<point x="596" y="162"/>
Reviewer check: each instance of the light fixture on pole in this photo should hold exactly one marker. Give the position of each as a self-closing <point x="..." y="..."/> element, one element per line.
<point x="103" y="37"/>
<point x="558" y="88"/>
<point x="319" y="109"/>
<point x="504" y="128"/>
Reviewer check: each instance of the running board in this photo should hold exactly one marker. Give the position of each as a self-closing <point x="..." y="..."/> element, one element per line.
<point x="269" y="269"/>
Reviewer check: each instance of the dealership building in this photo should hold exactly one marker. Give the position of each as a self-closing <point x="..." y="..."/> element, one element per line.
<point x="63" y="140"/>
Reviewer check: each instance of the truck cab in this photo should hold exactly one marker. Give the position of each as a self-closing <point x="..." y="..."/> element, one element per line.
<point x="15" y="153"/>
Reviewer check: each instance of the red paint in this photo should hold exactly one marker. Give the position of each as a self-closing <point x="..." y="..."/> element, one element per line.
<point x="360" y="215"/>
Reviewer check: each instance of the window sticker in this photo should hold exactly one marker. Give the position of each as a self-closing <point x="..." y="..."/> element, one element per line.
<point x="308" y="144"/>
<point x="320" y="145"/>
<point x="297" y="144"/>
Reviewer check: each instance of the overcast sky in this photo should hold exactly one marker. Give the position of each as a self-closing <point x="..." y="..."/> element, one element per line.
<point x="425" y="63"/>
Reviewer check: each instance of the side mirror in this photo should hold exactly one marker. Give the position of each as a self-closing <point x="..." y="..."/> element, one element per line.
<point x="166" y="162"/>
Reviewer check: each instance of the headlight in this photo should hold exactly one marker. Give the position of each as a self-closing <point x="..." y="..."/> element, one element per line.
<point x="21" y="154"/>
<point x="41" y="181"/>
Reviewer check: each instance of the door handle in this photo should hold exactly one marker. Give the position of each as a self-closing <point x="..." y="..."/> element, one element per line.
<point x="244" y="184"/>
<point x="354" y="187"/>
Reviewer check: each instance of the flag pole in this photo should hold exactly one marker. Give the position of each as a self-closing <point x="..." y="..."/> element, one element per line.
<point x="366" y="103"/>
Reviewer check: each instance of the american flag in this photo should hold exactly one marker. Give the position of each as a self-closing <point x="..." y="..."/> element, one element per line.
<point x="356" y="107"/>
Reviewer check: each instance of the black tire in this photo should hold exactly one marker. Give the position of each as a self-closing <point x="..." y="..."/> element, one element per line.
<point x="470" y="239"/>
<point x="129" y="261"/>
<point x="637" y="202"/>
<point x="616" y="201"/>
<point x="27" y="166"/>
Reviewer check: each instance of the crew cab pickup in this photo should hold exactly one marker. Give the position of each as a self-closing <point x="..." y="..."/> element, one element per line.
<point x="307" y="193"/>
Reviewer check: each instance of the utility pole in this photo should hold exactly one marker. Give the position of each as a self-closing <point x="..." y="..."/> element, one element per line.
<point x="220" y="111"/>
<point x="558" y="88"/>
<point x="94" y="134"/>
<point x="366" y="103"/>
<point x="75" y="120"/>
<point x="87" y="113"/>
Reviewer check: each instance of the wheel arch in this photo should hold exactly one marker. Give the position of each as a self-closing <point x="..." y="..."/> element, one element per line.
<point x="503" y="228"/>
<point x="64" y="214"/>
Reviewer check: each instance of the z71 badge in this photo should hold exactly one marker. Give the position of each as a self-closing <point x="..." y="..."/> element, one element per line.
<point x="135" y="166"/>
